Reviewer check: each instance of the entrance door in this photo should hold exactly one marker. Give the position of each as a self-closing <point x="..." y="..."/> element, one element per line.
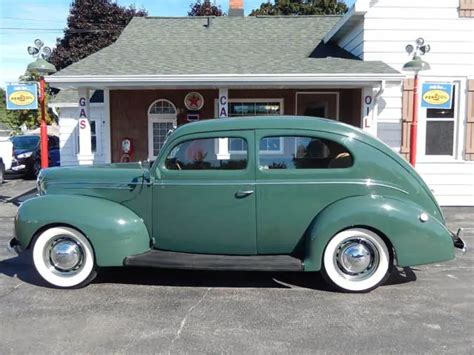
<point x="204" y="200"/>
<point x="318" y="104"/>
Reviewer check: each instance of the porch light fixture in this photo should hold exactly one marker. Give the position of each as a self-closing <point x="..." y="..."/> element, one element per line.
<point x="41" y="67"/>
<point x="416" y="64"/>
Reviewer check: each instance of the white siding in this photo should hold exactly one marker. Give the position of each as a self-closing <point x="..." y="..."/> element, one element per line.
<point x="388" y="26"/>
<point x="68" y="121"/>
<point x="391" y="24"/>
<point x="389" y="112"/>
<point x="451" y="183"/>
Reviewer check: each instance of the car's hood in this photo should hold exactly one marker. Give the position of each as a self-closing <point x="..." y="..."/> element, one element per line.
<point x="118" y="182"/>
<point x="21" y="151"/>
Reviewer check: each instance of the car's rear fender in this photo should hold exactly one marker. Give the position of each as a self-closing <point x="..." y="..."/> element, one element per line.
<point x="414" y="242"/>
<point x="114" y="231"/>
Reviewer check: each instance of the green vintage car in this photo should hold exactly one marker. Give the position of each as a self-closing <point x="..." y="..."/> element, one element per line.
<point x="272" y="194"/>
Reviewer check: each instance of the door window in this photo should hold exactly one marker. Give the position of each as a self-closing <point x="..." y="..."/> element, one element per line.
<point x="299" y="152"/>
<point x="208" y="154"/>
<point x="440" y="129"/>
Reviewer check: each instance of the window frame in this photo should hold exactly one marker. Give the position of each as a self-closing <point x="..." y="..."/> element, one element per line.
<point x="162" y="173"/>
<point x="159" y="118"/>
<point x="263" y="173"/>
<point x="423" y="120"/>
<point x="97" y="135"/>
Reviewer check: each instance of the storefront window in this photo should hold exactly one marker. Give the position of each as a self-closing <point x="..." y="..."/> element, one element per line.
<point x="440" y="130"/>
<point x="237" y="109"/>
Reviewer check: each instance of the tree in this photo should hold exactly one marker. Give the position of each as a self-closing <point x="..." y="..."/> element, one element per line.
<point x="91" y="26"/>
<point x="301" y="7"/>
<point x="205" y="8"/>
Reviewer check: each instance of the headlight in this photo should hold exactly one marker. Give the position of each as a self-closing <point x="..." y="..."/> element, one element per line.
<point x="24" y="155"/>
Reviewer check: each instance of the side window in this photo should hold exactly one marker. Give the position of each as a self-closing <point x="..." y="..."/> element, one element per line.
<point x="304" y="153"/>
<point x="208" y="154"/>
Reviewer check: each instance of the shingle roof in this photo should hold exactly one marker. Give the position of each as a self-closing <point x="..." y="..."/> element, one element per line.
<point x="230" y="45"/>
<point x="71" y="96"/>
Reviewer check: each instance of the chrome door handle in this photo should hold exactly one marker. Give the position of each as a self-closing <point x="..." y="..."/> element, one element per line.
<point x="243" y="193"/>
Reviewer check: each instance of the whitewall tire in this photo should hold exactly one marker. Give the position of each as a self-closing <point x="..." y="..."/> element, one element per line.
<point x="64" y="257"/>
<point x="356" y="260"/>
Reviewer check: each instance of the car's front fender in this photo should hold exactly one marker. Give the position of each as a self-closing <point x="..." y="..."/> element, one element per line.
<point x="113" y="230"/>
<point x="415" y="242"/>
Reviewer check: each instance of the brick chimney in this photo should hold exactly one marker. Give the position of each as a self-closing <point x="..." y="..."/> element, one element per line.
<point x="236" y="7"/>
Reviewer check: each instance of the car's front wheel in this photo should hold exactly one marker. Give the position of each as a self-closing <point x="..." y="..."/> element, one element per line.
<point x="64" y="257"/>
<point x="356" y="260"/>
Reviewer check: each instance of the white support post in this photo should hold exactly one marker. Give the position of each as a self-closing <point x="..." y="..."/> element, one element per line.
<point x="368" y="115"/>
<point x="223" y="103"/>
<point x="107" y="144"/>
<point x="85" y="156"/>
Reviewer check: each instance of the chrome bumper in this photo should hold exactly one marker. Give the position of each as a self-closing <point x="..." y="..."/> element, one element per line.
<point x="14" y="247"/>
<point x="458" y="242"/>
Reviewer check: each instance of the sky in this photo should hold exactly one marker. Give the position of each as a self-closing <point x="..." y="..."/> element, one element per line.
<point x="21" y="22"/>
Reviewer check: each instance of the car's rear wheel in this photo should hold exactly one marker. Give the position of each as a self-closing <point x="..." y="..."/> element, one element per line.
<point x="64" y="257"/>
<point x="356" y="260"/>
<point x="2" y="175"/>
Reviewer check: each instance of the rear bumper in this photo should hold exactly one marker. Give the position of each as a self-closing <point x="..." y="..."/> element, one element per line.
<point x="458" y="242"/>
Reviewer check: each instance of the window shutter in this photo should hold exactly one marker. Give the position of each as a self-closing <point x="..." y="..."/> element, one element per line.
<point x="469" y="145"/>
<point x="407" y="116"/>
<point x="466" y="8"/>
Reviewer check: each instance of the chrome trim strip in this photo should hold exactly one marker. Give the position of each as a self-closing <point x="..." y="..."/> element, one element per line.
<point x="94" y="185"/>
<point x="267" y="182"/>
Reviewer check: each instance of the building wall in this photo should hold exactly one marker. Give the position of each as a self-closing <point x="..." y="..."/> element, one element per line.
<point x="129" y="110"/>
<point x="388" y="27"/>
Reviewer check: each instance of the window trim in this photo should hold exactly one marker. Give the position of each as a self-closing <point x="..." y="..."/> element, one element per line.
<point x="98" y="140"/>
<point x="159" y="118"/>
<point x="302" y="171"/>
<point x="216" y="139"/>
<point x="422" y="124"/>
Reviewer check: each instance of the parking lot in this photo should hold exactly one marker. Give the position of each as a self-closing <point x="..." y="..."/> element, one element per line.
<point x="426" y="309"/>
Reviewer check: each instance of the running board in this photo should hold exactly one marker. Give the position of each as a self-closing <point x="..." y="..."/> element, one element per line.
<point x="174" y="260"/>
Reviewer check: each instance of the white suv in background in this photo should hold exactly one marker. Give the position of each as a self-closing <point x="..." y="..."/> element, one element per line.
<point x="6" y="151"/>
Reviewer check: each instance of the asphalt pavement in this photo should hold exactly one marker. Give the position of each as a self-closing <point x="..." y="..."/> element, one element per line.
<point x="426" y="309"/>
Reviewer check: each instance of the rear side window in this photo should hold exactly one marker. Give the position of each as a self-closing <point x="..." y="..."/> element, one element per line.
<point x="209" y="154"/>
<point x="304" y="153"/>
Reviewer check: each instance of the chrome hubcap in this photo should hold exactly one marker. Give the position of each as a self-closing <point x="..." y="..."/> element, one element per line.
<point x="356" y="258"/>
<point x="65" y="255"/>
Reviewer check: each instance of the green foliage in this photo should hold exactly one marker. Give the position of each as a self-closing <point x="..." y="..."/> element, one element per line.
<point x="204" y="8"/>
<point x="91" y="26"/>
<point x="301" y="7"/>
<point x="14" y="119"/>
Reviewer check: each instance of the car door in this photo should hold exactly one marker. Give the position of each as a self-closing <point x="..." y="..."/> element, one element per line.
<point x="298" y="174"/>
<point x="203" y="194"/>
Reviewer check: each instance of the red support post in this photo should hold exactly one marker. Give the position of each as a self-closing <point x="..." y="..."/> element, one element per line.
<point x="44" y="128"/>
<point x="414" y="123"/>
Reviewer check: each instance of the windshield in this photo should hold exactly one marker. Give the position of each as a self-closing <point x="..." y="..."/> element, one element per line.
<point x="25" y="142"/>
